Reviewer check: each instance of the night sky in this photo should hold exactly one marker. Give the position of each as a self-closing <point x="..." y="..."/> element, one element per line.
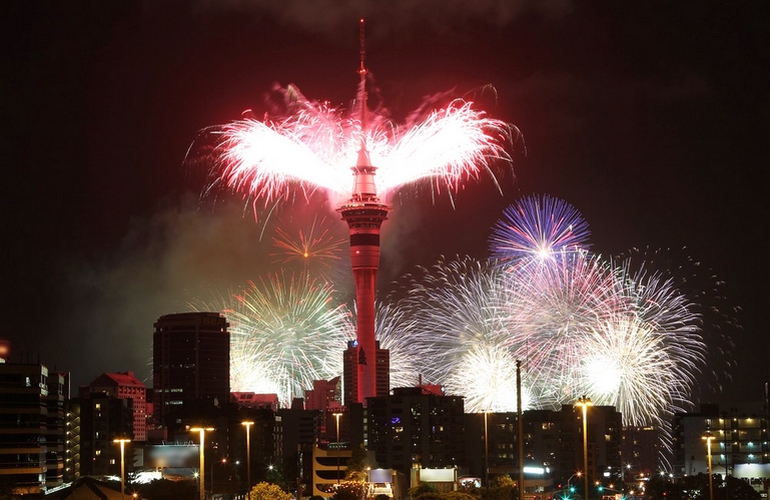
<point x="650" y="118"/>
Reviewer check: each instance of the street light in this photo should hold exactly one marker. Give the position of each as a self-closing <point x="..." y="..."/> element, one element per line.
<point x="709" y="437"/>
<point x="486" y="452"/>
<point x="248" y="425"/>
<point x="201" y="476"/>
<point x="585" y="402"/>
<point x="122" y="465"/>
<point x="337" y="416"/>
<point x="578" y="474"/>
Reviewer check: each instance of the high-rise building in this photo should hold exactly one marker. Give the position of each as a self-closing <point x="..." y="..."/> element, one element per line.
<point x="415" y="428"/>
<point x="103" y="418"/>
<point x="72" y="460"/>
<point x="641" y="451"/>
<point x="191" y="363"/>
<point x="325" y="393"/>
<point x="604" y="440"/>
<point x="299" y="430"/>
<point x="125" y="386"/>
<point x="31" y="417"/>
<point x="58" y="394"/>
<point x="350" y="369"/>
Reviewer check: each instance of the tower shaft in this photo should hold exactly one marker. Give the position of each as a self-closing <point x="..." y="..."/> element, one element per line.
<point x="364" y="215"/>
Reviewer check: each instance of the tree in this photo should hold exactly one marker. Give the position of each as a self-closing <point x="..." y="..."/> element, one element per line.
<point x="736" y="489"/>
<point x="503" y="489"/>
<point x="268" y="491"/>
<point x="429" y="495"/>
<point x="349" y="489"/>
<point x="421" y="488"/>
<point x="458" y="495"/>
<point x="356" y="465"/>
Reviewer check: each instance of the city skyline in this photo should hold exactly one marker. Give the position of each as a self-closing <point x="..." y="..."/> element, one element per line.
<point x="106" y="226"/>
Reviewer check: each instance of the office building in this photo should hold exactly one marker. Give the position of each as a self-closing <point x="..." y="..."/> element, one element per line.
<point x="191" y="365"/>
<point x="552" y="443"/>
<point x="31" y="427"/>
<point x="125" y="386"/>
<point x="103" y="418"/>
<point x="413" y="427"/>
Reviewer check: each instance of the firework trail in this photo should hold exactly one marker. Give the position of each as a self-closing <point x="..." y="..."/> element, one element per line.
<point x="538" y="229"/>
<point x="286" y="331"/>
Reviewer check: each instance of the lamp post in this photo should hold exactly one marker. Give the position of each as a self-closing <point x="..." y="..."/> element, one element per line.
<point x="122" y="466"/>
<point x="337" y="416"/>
<point x="709" y="437"/>
<point x="201" y="476"/>
<point x="486" y="452"/>
<point x="248" y="425"/>
<point x="585" y="402"/>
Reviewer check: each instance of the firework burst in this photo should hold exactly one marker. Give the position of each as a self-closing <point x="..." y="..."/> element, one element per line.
<point x="286" y="331"/>
<point x="390" y="326"/>
<point x="318" y="249"/>
<point x="311" y="146"/>
<point x="626" y="360"/>
<point x="538" y="229"/>
<point x="456" y="326"/>
<point x="688" y="299"/>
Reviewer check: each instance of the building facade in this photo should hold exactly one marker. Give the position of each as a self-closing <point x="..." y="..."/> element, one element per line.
<point x="350" y="362"/>
<point x="552" y="445"/>
<point x="103" y="418"/>
<point x="415" y="428"/>
<point x="191" y="364"/>
<point x="32" y="427"/>
<point x="739" y="435"/>
<point x="124" y="385"/>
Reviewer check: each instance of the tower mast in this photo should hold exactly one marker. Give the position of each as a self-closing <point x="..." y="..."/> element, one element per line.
<point x="364" y="215"/>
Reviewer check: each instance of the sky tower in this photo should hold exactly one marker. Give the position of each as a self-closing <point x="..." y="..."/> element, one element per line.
<point x="364" y="214"/>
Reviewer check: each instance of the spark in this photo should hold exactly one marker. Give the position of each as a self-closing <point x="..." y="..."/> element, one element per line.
<point x="638" y="370"/>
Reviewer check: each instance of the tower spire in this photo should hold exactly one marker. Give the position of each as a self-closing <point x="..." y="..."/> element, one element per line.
<point x="363" y="154"/>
